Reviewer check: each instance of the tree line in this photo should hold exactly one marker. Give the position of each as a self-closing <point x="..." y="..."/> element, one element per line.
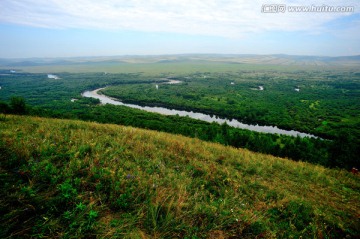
<point x="340" y="152"/>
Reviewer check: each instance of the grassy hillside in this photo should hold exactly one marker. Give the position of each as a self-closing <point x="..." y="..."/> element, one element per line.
<point x="71" y="179"/>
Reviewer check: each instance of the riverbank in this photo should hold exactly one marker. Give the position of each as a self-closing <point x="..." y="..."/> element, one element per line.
<point x="196" y="115"/>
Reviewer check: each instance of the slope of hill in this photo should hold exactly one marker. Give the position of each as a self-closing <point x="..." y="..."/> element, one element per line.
<point x="71" y="179"/>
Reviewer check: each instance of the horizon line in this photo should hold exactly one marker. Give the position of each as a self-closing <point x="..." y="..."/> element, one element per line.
<point x="174" y="54"/>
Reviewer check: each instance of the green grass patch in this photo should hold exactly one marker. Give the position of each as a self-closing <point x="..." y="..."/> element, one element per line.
<point x="71" y="179"/>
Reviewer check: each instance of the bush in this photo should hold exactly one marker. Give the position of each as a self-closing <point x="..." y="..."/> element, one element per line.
<point x="18" y="105"/>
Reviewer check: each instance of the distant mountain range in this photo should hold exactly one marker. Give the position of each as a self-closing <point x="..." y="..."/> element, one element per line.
<point x="276" y="59"/>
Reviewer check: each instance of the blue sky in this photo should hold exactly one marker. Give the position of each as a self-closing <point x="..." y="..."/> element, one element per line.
<point x="67" y="28"/>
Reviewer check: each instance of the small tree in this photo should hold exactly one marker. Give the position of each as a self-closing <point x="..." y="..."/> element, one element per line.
<point x="18" y="105"/>
<point x="4" y="109"/>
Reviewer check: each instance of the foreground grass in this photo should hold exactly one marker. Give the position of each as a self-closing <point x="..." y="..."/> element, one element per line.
<point x="72" y="179"/>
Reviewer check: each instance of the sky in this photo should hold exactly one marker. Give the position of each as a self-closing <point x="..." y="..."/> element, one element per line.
<point x="70" y="28"/>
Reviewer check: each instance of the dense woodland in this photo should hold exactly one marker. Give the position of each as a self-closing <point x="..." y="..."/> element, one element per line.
<point x="319" y="102"/>
<point x="325" y="105"/>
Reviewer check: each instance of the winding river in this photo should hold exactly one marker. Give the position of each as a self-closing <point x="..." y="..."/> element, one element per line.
<point x="199" y="116"/>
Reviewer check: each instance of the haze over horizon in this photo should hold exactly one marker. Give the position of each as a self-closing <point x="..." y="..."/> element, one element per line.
<point x="65" y="28"/>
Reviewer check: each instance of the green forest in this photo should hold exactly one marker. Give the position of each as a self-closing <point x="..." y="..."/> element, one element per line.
<point x="324" y="103"/>
<point x="319" y="102"/>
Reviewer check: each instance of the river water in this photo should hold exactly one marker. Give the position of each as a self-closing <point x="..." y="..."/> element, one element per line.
<point x="199" y="116"/>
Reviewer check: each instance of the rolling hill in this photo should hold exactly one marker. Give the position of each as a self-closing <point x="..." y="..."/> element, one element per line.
<point x="72" y="179"/>
<point x="275" y="59"/>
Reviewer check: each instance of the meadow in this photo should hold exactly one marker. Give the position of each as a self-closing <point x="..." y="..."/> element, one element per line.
<point x="72" y="179"/>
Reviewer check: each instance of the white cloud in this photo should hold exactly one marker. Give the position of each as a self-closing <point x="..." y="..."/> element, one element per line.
<point x="229" y="18"/>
